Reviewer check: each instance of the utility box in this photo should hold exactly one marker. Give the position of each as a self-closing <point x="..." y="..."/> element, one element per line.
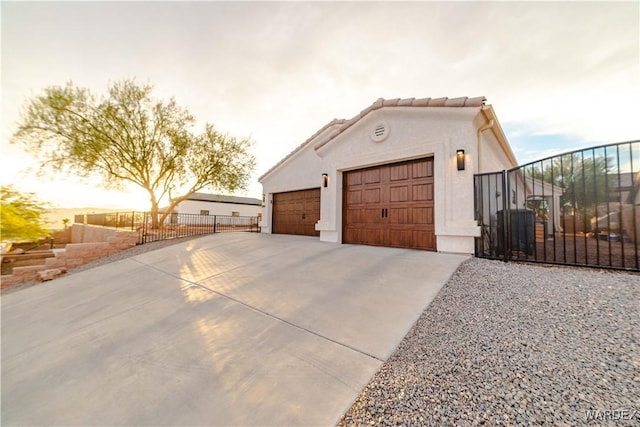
<point x="520" y="231"/>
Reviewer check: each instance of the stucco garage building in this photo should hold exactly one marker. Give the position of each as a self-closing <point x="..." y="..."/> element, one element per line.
<point x="400" y="174"/>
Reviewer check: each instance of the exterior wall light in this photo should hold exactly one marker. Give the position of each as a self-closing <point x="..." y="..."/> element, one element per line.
<point x="325" y="180"/>
<point x="460" y="159"/>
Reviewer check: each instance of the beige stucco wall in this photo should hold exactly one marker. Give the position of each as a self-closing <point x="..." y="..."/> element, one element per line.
<point x="492" y="157"/>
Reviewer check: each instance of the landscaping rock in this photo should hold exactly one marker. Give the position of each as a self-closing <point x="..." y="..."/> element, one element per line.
<point x="515" y="344"/>
<point x="50" y="274"/>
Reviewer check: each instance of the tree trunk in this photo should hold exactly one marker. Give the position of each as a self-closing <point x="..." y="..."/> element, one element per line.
<point x="155" y="224"/>
<point x="171" y="207"/>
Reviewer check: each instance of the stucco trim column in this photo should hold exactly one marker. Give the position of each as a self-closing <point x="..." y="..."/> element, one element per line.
<point x="327" y="225"/>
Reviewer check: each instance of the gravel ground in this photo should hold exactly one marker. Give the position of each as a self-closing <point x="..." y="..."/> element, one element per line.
<point x="136" y="250"/>
<point x="515" y="344"/>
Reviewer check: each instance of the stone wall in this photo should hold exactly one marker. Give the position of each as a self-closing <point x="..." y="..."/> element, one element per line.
<point x="89" y="244"/>
<point x="81" y="233"/>
<point x="62" y="237"/>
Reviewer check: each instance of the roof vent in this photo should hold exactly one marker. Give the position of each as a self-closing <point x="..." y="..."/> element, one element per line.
<point x="380" y="132"/>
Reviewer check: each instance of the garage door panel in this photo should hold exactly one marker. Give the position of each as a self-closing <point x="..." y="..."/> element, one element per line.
<point x="399" y="173"/>
<point x="429" y="211"/>
<point x="412" y="239"/>
<point x="399" y="216"/>
<point x="372" y="195"/>
<point x="372" y="176"/>
<point x="401" y="238"/>
<point x="424" y="239"/>
<point x="423" y="169"/>
<point x="422" y="192"/>
<point x="314" y="205"/>
<point x="372" y="216"/>
<point x="395" y="207"/>
<point x="353" y="216"/>
<point x="422" y="215"/>
<point x="354" y="197"/>
<point x="373" y="235"/>
<point x="354" y="178"/>
<point x="367" y="236"/>
<point x="399" y="193"/>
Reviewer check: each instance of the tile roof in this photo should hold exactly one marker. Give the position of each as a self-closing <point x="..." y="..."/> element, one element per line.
<point x="341" y="125"/>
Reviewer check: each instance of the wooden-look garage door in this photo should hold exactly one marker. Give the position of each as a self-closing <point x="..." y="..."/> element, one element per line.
<point x="296" y="212"/>
<point x="390" y="205"/>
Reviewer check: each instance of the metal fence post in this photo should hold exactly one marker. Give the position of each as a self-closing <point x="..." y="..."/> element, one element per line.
<point x="506" y="216"/>
<point x="214" y="224"/>
<point x="144" y="227"/>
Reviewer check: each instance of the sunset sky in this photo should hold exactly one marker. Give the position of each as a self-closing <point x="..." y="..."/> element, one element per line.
<point x="560" y="75"/>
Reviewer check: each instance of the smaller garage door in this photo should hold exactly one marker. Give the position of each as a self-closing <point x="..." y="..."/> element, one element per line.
<point x="296" y="212"/>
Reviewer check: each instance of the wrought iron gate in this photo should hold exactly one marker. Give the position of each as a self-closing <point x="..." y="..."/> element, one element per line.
<point x="579" y="208"/>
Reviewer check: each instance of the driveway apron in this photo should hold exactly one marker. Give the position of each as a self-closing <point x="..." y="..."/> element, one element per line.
<point x="229" y="329"/>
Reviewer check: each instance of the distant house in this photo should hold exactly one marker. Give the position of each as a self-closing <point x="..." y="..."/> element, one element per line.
<point x="544" y="199"/>
<point x="621" y="187"/>
<point x="205" y="204"/>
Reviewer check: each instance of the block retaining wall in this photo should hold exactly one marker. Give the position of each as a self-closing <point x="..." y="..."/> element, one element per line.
<point x="89" y="244"/>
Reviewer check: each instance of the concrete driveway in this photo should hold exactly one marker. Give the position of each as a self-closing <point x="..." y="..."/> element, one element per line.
<point x="229" y="329"/>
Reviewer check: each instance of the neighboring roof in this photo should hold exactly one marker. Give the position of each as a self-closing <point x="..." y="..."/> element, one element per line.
<point x="548" y="189"/>
<point x="342" y="125"/>
<point x="622" y="180"/>
<point x="219" y="198"/>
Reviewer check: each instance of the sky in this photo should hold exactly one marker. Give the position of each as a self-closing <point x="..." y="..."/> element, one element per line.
<point x="560" y="75"/>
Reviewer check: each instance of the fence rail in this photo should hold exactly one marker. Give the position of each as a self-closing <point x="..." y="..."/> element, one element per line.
<point x="174" y="226"/>
<point x="579" y="208"/>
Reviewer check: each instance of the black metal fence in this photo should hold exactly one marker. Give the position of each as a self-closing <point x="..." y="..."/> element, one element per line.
<point x="174" y="226"/>
<point x="579" y="208"/>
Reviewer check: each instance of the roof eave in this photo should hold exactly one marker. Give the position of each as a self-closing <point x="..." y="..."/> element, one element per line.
<point x="490" y="114"/>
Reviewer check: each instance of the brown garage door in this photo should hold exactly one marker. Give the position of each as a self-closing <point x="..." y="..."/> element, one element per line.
<point x="296" y="212"/>
<point x="390" y="205"/>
